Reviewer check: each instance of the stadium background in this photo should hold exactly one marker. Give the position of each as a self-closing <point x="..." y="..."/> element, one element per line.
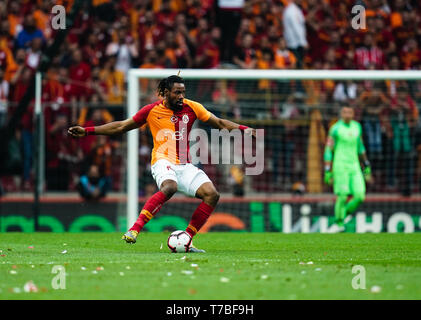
<point x="86" y="85"/>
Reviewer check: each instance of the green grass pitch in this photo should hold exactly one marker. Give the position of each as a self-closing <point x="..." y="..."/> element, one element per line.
<point x="236" y="266"/>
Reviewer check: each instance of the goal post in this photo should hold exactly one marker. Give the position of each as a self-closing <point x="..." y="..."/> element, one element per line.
<point x="134" y="103"/>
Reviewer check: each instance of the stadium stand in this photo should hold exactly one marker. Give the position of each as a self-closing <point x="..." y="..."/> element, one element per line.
<point x="87" y="82"/>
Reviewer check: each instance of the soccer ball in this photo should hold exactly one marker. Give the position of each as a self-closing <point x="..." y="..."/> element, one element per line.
<point x="179" y="241"/>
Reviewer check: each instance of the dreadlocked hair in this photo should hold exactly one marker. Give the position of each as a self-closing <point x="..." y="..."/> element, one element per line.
<point x="168" y="83"/>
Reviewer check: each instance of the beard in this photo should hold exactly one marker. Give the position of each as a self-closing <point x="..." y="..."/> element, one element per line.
<point x="176" y="105"/>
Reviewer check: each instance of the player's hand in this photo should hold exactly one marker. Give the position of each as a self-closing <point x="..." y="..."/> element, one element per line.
<point x="250" y="132"/>
<point x="328" y="178"/>
<point x="367" y="174"/>
<point x="77" y="132"/>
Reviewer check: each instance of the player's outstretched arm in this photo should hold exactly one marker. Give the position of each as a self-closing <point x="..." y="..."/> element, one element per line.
<point x="328" y="156"/>
<point x="108" y="129"/>
<point x="219" y="123"/>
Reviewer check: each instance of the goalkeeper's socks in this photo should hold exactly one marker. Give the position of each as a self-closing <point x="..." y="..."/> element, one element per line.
<point x="199" y="218"/>
<point x="150" y="209"/>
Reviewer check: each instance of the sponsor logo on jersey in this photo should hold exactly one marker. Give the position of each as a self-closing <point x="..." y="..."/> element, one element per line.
<point x="186" y="118"/>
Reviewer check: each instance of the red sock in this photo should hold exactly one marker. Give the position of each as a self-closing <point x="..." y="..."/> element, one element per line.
<point x="151" y="207"/>
<point x="199" y="218"/>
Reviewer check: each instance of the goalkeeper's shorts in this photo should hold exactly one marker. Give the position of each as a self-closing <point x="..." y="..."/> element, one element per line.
<point x="348" y="182"/>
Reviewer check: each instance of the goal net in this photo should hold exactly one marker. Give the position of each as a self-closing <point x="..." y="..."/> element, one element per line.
<point x="295" y="108"/>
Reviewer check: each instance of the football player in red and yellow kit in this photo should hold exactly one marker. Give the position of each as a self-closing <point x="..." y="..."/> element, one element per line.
<point x="170" y="121"/>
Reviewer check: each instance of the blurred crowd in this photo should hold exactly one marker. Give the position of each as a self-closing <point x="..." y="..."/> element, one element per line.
<point x="88" y="76"/>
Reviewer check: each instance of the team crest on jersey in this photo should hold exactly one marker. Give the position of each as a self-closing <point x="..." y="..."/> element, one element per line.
<point x="174" y="119"/>
<point x="185" y="118"/>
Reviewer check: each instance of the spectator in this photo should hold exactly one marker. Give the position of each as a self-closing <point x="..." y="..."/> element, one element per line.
<point x="98" y="117"/>
<point x="295" y="31"/>
<point x="345" y="91"/>
<point x="150" y="33"/>
<point x="92" y="51"/>
<point x="284" y="58"/>
<point x="93" y="185"/>
<point x="245" y="55"/>
<point x="34" y="53"/>
<point x="80" y="75"/>
<point x="124" y="48"/>
<point x="113" y="81"/>
<point x="176" y="51"/>
<point x="265" y="62"/>
<point x="403" y="116"/>
<point x="411" y="54"/>
<point x="29" y="33"/>
<point x="61" y="156"/>
<point x="42" y="18"/>
<point x="384" y="36"/>
<point x="369" y="54"/>
<point x="15" y="18"/>
<point x="372" y="102"/>
<point x="207" y="55"/>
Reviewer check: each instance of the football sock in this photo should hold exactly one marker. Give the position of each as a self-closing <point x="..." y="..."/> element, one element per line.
<point x="199" y="218"/>
<point x="340" y="208"/>
<point x="151" y="207"/>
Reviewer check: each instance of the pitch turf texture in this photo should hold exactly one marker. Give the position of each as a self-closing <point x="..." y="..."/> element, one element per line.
<point x="236" y="266"/>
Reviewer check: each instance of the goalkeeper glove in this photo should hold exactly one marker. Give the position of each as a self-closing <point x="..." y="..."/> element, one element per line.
<point x="328" y="177"/>
<point x="367" y="170"/>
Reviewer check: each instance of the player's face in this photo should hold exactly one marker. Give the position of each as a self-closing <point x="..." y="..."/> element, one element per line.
<point x="176" y="95"/>
<point x="347" y="114"/>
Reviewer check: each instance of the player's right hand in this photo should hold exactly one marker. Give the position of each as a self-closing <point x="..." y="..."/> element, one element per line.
<point x="328" y="177"/>
<point x="77" y="132"/>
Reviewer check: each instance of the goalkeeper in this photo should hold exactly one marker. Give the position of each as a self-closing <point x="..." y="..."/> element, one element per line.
<point x="344" y="148"/>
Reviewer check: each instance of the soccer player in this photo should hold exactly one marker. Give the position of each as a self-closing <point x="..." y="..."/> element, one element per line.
<point x="344" y="147"/>
<point x="170" y="121"/>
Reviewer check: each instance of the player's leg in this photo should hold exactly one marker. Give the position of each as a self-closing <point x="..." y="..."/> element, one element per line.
<point x="154" y="204"/>
<point x="195" y="183"/>
<point x="341" y="184"/>
<point x="340" y="209"/>
<point x="166" y="181"/>
<point x="207" y="192"/>
<point x="357" y="189"/>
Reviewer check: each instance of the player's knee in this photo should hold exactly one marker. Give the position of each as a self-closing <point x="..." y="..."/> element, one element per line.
<point x="360" y="197"/>
<point x="342" y="197"/>
<point x="211" y="197"/>
<point x="169" y="188"/>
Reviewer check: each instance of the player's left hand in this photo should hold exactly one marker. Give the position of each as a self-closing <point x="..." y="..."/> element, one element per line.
<point x="367" y="174"/>
<point x="250" y="132"/>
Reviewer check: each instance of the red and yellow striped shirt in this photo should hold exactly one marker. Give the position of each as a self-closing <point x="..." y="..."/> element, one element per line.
<point x="170" y="129"/>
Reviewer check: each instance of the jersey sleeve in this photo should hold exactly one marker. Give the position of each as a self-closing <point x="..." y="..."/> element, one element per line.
<point x="201" y="112"/>
<point x="141" y="116"/>
<point x="361" y="147"/>
<point x="332" y="136"/>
